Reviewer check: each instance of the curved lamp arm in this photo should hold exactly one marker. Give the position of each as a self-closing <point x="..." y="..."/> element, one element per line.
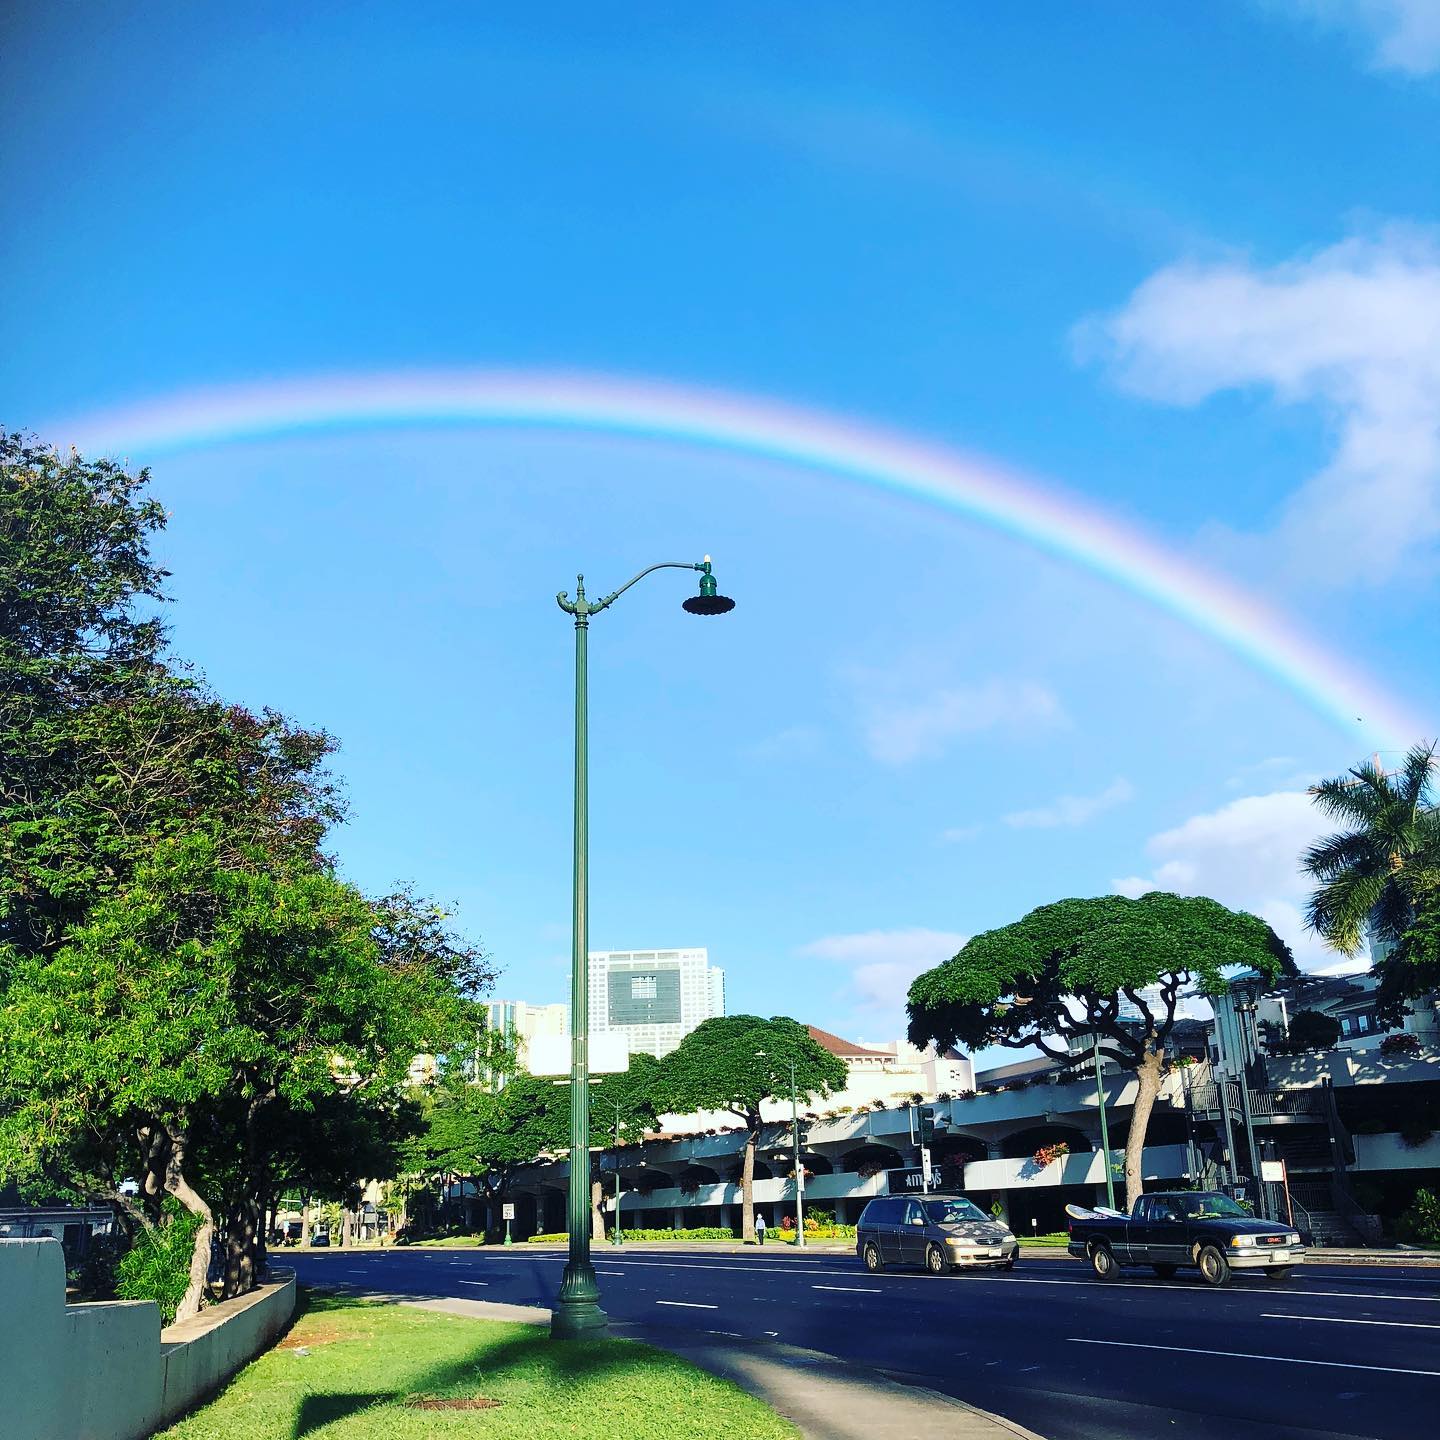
<point x="580" y="606"/>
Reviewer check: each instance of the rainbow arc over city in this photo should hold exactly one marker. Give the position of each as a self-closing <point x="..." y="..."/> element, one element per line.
<point x="851" y="451"/>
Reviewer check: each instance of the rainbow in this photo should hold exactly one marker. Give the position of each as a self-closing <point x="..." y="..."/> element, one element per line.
<point x="859" y="453"/>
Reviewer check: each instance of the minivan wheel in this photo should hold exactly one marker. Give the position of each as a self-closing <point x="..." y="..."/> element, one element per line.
<point x="1104" y="1264"/>
<point x="871" y="1257"/>
<point x="935" y="1260"/>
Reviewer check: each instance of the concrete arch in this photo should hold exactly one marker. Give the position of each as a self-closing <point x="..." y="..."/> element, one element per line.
<point x="871" y="1155"/>
<point x="1020" y="1144"/>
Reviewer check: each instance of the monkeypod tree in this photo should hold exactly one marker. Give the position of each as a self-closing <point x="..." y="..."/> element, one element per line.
<point x="1063" y="973"/>
<point x="735" y="1063"/>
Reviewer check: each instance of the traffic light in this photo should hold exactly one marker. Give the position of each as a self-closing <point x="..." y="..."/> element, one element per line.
<point x="927" y="1117"/>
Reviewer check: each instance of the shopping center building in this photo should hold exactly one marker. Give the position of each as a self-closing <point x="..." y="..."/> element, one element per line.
<point x="1352" y="1125"/>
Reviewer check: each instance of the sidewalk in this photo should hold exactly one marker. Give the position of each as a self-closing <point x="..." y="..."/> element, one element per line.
<point x="824" y="1398"/>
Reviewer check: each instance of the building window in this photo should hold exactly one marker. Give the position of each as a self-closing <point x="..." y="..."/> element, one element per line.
<point x="1344" y="1024"/>
<point x="1363" y="1021"/>
<point x="643" y="987"/>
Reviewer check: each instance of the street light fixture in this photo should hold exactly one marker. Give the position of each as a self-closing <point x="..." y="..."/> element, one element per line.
<point x="577" y="1311"/>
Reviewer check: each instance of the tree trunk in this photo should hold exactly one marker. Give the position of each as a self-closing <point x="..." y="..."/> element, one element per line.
<point x="1148" y="1075"/>
<point x="305" y="1221"/>
<point x="178" y="1186"/>
<point x="241" y="1242"/>
<point x="747" y="1188"/>
<point x="597" y="1215"/>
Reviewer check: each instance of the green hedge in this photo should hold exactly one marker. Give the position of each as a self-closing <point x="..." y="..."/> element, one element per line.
<point x="704" y="1232"/>
<point x="157" y="1266"/>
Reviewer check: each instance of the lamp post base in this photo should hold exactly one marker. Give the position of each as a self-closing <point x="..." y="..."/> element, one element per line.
<point x="577" y="1320"/>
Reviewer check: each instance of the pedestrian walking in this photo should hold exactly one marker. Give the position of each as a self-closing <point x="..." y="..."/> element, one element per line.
<point x="759" y="1229"/>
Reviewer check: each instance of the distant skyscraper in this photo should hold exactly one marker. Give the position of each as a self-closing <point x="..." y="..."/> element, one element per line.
<point x="525" y="1022"/>
<point x="657" y="997"/>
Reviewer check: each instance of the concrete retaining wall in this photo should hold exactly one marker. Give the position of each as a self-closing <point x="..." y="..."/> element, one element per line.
<point x="107" y="1371"/>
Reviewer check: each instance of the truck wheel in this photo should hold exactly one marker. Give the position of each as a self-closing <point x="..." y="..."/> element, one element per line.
<point x="1214" y="1267"/>
<point x="1104" y="1263"/>
<point x="1280" y="1272"/>
<point x="935" y="1260"/>
<point x="871" y="1256"/>
<point x="1165" y="1272"/>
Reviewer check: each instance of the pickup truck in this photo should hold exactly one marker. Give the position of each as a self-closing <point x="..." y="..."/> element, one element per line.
<point x="1202" y="1228"/>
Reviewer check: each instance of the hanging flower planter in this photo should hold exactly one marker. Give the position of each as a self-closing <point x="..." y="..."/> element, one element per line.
<point x="1049" y="1154"/>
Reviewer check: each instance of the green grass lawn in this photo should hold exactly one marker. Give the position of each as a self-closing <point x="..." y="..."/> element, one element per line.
<point x="366" y="1359"/>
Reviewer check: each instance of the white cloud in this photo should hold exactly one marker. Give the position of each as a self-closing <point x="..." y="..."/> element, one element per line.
<point x="1071" y="810"/>
<point x="1354" y="329"/>
<point x="882" y="963"/>
<point x="1405" y="33"/>
<point x="901" y="729"/>
<point x="1246" y="855"/>
<point x="958" y="833"/>
<point x="794" y="742"/>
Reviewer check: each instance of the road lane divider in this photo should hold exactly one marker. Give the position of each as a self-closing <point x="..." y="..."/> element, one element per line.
<point x="1345" y="1320"/>
<point x="1248" y="1355"/>
<point x="851" y="1289"/>
<point x="687" y="1305"/>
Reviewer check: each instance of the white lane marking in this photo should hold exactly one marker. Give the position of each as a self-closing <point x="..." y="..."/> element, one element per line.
<point x="609" y="1272"/>
<point x="851" y="1289"/>
<point x="733" y="1334"/>
<point x="474" y="1282"/>
<point x="1339" y="1320"/>
<point x="975" y="1277"/>
<point x="687" y="1305"/>
<point x="1246" y="1355"/>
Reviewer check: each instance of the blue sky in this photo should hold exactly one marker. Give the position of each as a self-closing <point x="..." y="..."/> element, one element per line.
<point x="1180" y="265"/>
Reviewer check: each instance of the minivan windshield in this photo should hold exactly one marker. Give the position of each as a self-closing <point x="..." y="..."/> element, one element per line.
<point x="952" y="1212"/>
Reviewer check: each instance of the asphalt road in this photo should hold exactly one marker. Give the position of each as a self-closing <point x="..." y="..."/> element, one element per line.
<point x="1336" y="1351"/>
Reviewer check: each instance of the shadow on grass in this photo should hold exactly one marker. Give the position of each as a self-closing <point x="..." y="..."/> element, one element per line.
<point x="569" y="1361"/>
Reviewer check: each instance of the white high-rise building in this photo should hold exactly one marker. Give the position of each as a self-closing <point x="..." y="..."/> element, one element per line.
<point x="524" y="1022"/>
<point x="657" y="997"/>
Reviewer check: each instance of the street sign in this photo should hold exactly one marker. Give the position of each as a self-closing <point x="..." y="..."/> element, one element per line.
<point x="925" y="1165"/>
<point x="1273" y="1171"/>
<point x="550" y="1054"/>
<point x="507" y="1212"/>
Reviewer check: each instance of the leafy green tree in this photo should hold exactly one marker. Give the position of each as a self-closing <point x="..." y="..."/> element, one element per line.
<point x="1412" y="968"/>
<point x="1062" y="974"/>
<point x="735" y="1063"/>
<point x="1313" y="1030"/>
<point x="1374" y="874"/>
<point x="484" y="1134"/>
<point x="196" y="996"/>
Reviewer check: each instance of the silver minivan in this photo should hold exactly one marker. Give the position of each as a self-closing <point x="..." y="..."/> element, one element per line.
<point x="936" y="1232"/>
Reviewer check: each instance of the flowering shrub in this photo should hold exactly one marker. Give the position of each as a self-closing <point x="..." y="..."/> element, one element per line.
<point x="1049" y="1154"/>
<point x="1401" y="1043"/>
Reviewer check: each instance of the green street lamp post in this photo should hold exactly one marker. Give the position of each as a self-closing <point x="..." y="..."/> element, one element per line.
<point x="1104" y="1127"/>
<point x="799" y="1166"/>
<point x="795" y="1150"/>
<point x="577" y="1311"/>
<point x="619" y="1238"/>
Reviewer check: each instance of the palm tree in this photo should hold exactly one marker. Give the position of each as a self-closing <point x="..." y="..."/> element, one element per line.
<point x="1373" y="874"/>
